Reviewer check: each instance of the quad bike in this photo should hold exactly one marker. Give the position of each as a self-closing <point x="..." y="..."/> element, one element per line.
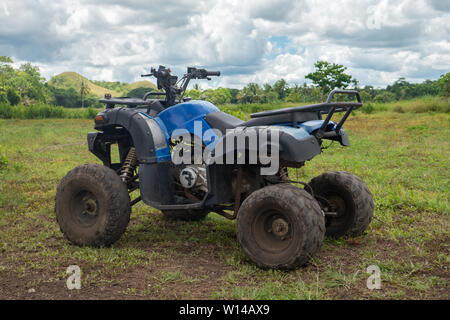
<point x="278" y="224"/>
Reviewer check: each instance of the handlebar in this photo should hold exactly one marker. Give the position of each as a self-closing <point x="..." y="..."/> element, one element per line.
<point x="213" y="73"/>
<point x="169" y="82"/>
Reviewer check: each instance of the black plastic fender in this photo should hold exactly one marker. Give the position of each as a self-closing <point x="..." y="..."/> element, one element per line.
<point x="110" y="121"/>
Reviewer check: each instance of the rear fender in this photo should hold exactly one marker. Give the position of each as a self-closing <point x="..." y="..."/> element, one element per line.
<point x="289" y="147"/>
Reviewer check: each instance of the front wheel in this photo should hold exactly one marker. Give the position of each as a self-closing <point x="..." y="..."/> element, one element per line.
<point x="280" y="226"/>
<point x="92" y="205"/>
<point x="348" y="197"/>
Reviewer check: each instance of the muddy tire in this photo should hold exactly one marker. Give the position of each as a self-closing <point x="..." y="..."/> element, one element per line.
<point x="280" y="227"/>
<point x="92" y="206"/>
<point x="349" y="196"/>
<point x="185" y="215"/>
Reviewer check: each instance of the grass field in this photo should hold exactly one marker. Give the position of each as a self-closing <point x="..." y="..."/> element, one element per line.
<point x="403" y="157"/>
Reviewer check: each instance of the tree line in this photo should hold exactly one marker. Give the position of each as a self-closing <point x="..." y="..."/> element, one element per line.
<point x="26" y="86"/>
<point x="327" y="76"/>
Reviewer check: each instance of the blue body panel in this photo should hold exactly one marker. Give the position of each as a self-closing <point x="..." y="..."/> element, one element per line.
<point x="304" y="129"/>
<point x="184" y="116"/>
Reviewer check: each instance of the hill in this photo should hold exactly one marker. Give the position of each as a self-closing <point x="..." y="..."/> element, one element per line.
<point x="67" y="80"/>
<point x="141" y="84"/>
<point x="123" y="87"/>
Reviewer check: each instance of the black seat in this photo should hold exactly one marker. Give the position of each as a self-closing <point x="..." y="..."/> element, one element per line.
<point x="222" y="121"/>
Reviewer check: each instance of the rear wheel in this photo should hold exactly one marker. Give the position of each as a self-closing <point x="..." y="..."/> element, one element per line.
<point x="348" y="197"/>
<point x="280" y="226"/>
<point x="92" y="205"/>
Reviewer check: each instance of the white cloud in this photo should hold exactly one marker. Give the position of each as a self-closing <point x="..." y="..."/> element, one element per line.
<point x="378" y="41"/>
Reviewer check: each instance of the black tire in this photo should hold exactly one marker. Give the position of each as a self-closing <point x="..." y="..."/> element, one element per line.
<point x="349" y="197"/>
<point x="294" y="213"/>
<point x="92" y="206"/>
<point x="185" y="215"/>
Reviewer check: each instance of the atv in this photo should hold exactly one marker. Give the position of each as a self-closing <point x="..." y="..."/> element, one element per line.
<point x="187" y="159"/>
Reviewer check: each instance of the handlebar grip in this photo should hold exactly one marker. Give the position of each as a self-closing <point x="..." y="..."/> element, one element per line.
<point x="213" y="73"/>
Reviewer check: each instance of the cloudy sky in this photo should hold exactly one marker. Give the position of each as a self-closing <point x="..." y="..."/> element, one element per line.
<point x="260" y="41"/>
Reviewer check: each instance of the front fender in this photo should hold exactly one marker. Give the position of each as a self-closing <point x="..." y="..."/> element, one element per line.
<point x="111" y="121"/>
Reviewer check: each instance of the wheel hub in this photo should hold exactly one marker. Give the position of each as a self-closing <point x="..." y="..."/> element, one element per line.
<point x="90" y="207"/>
<point x="85" y="208"/>
<point x="338" y="205"/>
<point x="280" y="227"/>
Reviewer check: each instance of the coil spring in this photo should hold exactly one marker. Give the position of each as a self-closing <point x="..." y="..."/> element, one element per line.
<point x="127" y="171"/>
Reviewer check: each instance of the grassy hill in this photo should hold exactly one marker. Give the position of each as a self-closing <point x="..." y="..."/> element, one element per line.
<point x="67" y="80"/>
<point x="141" y="84"/>
<point x="124" y="87"/>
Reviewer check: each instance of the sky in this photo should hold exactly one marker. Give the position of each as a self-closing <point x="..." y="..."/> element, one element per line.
<point x="248" y="41"/>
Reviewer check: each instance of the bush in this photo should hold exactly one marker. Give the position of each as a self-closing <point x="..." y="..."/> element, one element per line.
<point x="367" y="108"/>
<point x="398" y="108"/>
<point x="44" y="111"/>
<point x="365" y="96"/>
<point x="3" y="97"/>
<point x="427" y="104"/>
<point x="385" y="97"/>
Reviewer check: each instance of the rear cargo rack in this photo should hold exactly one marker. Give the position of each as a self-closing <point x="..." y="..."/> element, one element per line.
<point x="327" y="107"/>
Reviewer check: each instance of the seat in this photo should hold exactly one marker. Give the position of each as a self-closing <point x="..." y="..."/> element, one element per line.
<point x="222" y="121"/>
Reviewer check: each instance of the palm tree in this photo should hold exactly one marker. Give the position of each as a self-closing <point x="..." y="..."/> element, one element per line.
<point x="84" y="90"/>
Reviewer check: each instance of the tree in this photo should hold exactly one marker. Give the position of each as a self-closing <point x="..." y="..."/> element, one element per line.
<point x="84" y="90"/>
<point x="251" y="93"/>
<point x="234" y="93"/>
<point x="365" y="96"/>
<point x="12" y="96"/>
<point x="329" y="76"/>
<point x="30" y="84"/>
<point x="280" y="87"/>
<point x="385" y="97"/>
<point x="444" y="85"/>
<point x="217" y="96"/>
<point x="68" y="98"/>
<point x="194" y="94"/>
<point x="6" y="74"/>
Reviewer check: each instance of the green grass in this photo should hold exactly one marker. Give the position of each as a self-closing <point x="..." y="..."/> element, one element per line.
<point x="403" y="158"/>
<point x="422" y="105"/>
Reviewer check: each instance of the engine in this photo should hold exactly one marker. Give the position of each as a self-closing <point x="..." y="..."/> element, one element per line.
<point x="194" y="177"/>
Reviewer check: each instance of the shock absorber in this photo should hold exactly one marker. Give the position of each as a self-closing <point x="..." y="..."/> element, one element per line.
<point x="126" y="173"/>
